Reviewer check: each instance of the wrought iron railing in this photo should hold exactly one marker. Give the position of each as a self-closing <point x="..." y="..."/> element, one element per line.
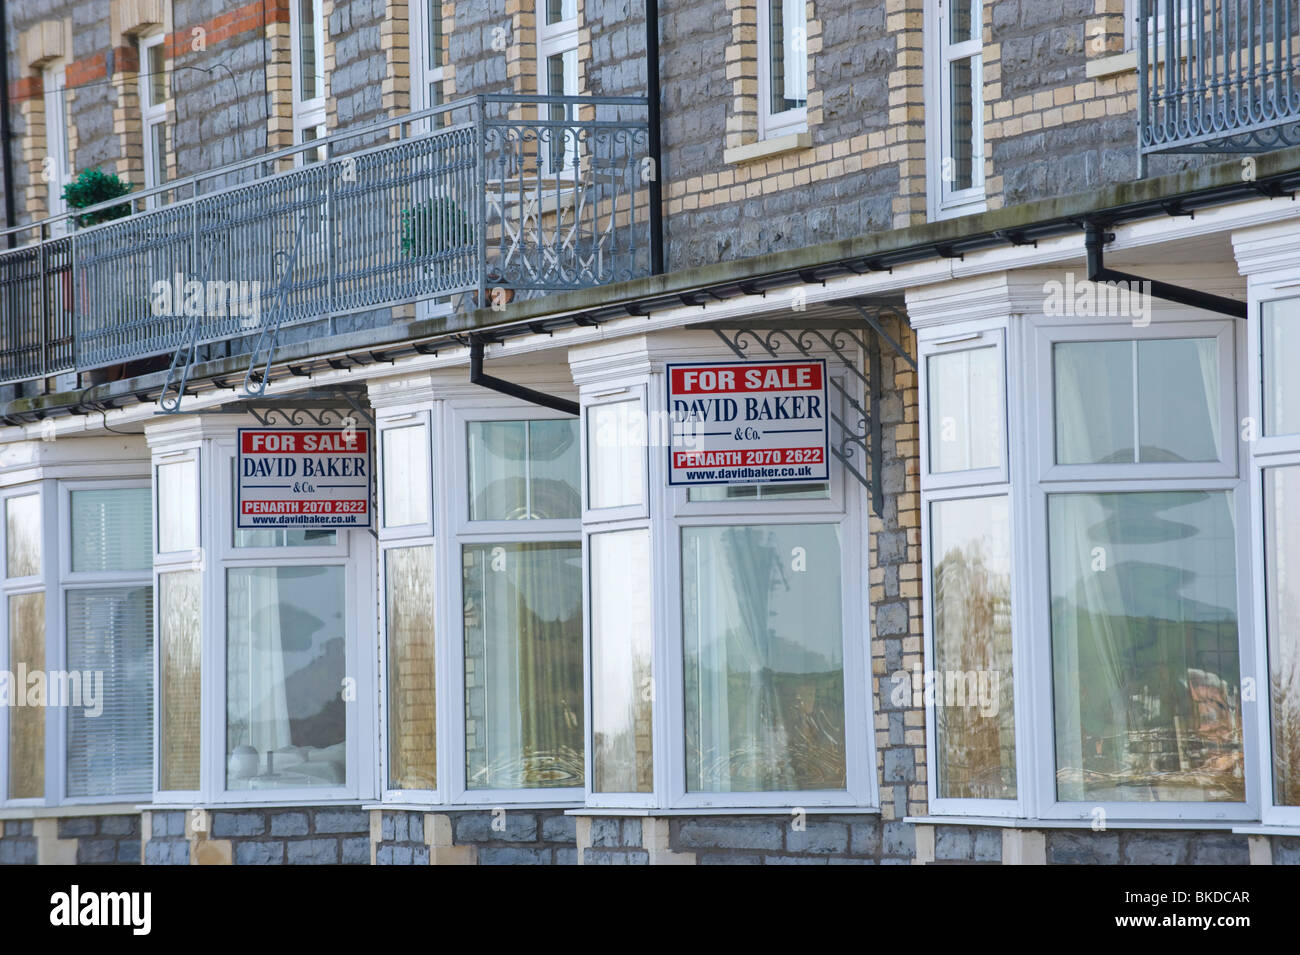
<point x="529" y="194"/>
<point x="1218" y="75"/>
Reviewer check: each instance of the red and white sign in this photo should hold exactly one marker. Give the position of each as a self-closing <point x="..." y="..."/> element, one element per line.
<point x="303" y="477"/>
<point x="753" y="422"/>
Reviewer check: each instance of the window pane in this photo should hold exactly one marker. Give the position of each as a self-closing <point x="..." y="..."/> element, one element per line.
<point x="558" y="11"/>
<point x="962" y="75"/>
<point x="286" y="720"/>
<point x="412" y="715"/>
<point x="157" y="75"/>
<point x="523" y="666"/>
<point x="433" y="19"/>
<point x="819" y="491"/>
<point x="1178" y="399"/>
<point x="965" y="22"/>
<point x="621" y="636"/>
<point x="974" y="713"/>
<point x="523" y="470"/>
<point x="787" y="63"/>
<point x="1144" y="647"/>
<point x="966" y="424"/>
<point x="158" y="152"/>
<point x="764" y="647"/>
<point x="1094" y="402"/>
<point x="308" y="68"/>
<point x="179" y="602"/>
<point x="23" y="536"/>
<point x="110" y="722"/>
<point x="616" y="454"/>
<point x="26" y="723"/>
<point x="1281" y="347"/>
<point x="1282" y="583"/>
<point x="110" y="530"/>
<point x="178" y="506"/>
<point x="406" y="477"/>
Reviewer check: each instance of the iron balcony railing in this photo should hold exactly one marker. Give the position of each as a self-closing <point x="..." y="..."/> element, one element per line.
<point x="1218" y="75"/>
<point x="528" y="194"/>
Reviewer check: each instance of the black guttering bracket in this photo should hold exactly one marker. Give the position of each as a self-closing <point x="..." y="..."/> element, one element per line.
<point x="1096" y="235"/>
<point x="532" y="396"/>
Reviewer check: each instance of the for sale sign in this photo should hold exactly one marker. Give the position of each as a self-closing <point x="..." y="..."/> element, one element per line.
<point x="303" y="477"/>
<point x="753" y="422"/>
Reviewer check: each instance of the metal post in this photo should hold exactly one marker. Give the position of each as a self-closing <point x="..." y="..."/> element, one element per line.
<point x="331" y="256"/>
<point x="481" y="197"/>
<point x="655" y="146"/>
<point x="43" y="320"/>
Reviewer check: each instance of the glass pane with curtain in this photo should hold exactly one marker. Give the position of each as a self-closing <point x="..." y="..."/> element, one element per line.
<point x="157" y="67"/>
<point x="975" y="724"/>
<point x="412" y="714"/>
<point x="180" y="670"/>
<point x="963" y="74"/>
<point x="110" y="529"/>
<point x="1145" y="647"/>
<point x="621" y="651"/>
<point x="815" y="491"/>
<point x="557" y="11"/>
<point x="158" y="152"/>
<point x="1282" y="589"/>
<point x="1281" y="353"/>
<point x="524" y="470"/>
<point x="407" y="494"/>
<point x="616" y="446"/>
<point x="286" y="660"/>
<point x="965" y="414"/>
<point x="1178" y="399"/>
<point x="523" y="665"/>
<point x="433" y="33"/>
<point x="178" y="506"/>
<point x="23" y="536"/>
<point x="764" y="654"/>
<point x="787" y="55"/>
<point x="308" y="67"/>
<point x="27" y="722"/>
<point x="965" y="22"/>
<point x="110" y="655"/>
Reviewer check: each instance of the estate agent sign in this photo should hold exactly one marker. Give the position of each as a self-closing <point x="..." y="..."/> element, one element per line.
<point x="303" y="477"/>
<point x="756" y="422"/>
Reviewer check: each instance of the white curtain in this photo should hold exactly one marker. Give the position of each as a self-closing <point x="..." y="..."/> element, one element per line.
<point x="266" y="701"/>
<point x="795" y="62"/>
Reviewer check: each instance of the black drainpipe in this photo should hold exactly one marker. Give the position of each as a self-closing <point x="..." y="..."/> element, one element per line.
<point x="656" y="153"/>
<point x="6" y="133"/>
<point x="1095" y="239"/>
<point x="476" y="377"/>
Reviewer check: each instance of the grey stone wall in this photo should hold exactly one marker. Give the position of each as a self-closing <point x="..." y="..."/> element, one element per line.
<point x="103" y="840"/>
<point x="1150" y="847"/>
<point x="18" y="842"/>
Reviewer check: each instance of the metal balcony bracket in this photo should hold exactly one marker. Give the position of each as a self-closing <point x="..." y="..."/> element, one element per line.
<point x="523" y="393"/>
<point x="1096" y="236"/>
<point x="186" y="356"/>
<point x="859" y="444"/>
<point x="255" y="379"/>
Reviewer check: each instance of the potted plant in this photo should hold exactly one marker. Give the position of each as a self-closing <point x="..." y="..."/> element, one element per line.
<point x="440" y="225"/>
<point x="92" y="187"/>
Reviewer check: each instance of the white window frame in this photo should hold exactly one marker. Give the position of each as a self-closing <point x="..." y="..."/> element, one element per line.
<point x="772" y="124"/>
<point x="70" y="580"/>
<point x="423" y="73"/>
<point x="1266" y="453"/>
<point x="152" y="114"/>
<point x="308" y="114"/>
<point x="942" y="200"/>
<point x="972" y="484"/>
<point x="46" y="491"/>
<point x="1034" y="685"/>
<point x="457" y="415"/>
<point x="53" y="85"/>
<point x="558" y="39"/>
<point x="846" y="509"/>
<point x="398" y="537"/>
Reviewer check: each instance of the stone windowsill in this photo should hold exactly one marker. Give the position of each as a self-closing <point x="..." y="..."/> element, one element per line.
<point x="81" y="809"/>
<point x="1001" y="822"/>
<point x="766" y="148"/>
<point x="1116" y="63"/>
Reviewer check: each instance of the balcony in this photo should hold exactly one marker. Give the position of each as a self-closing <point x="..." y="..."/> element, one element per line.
<point x="486" y="199"/>
<point x="1218" y="75"/>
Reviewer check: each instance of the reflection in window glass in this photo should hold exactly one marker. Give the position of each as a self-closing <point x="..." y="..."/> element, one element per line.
<point x="1144" y="647"/>
<point x="286" y="721"/>
<point x="787" y="55"/>
<point x="406" y="477"/>
<point x="412" y="714"/>
<point x="178" y="506"/>
<point x="23" y="536"/>
<point x="975" y="722"/>
<point x="26" y="723"/>
<point x="524" y="470"/>
<point x="1171" y="415"/>
<point x="179" y="668"/>
<point x="965" y="395"/>
<point x="110" y="744"/>
<point x="1281" y="348"/>
<point x="621" y="638"/>
<point x="819" y="491"/>
<point x="110" y="529"/>
<point x="764" y="654"/>
<point x="1282" y="586"/>
<point x="523" y="665"/>
<point x="616" y="443"/>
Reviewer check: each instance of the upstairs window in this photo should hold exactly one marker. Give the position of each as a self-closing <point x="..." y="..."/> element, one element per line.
<point x="782" y="67"/>
<point x="956" y="128"/>
<point x="307" y="28"/>
<point x="153" y="110"/>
